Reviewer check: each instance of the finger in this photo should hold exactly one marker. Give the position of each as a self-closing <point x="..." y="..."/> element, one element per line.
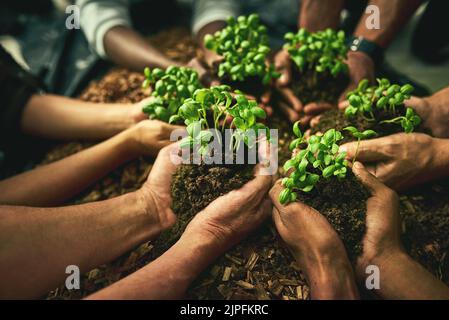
<point x="274" y="196"/>
<point x="315" y="121"/>
<point x="305" y="121"/>
<point x="368" y="151"/>
<point x="291" y="99"/>
<point x="367" y="179"/>
<point x="315" y="108"/>
<point x="282" y="65"/>
<point x="343" y="104"/>
<point x="266" y="97"/>
<point x="165" y="165"/>
<point x="291" y="114"/>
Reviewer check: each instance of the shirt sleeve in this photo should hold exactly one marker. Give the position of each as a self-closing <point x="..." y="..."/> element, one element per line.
<point x="97" y="17"/>
<point x="207" y="11"/>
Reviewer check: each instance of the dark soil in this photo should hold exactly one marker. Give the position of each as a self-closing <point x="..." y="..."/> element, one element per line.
<point x="194" y="187"/>
<point x="342" y="202"/>
<point x="312" y="86"/>
<point x="252" y="86"/>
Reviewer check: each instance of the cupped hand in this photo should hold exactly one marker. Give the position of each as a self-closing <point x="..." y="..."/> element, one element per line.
<point x="401" y="160"/>
<point x="306" y="231"/>
<point x="361" y="66"/>
<point x="383" y="222"/>
<point x="316" y="247"/>
<point x="230" y="218"/>
<point x="156" y="193"/>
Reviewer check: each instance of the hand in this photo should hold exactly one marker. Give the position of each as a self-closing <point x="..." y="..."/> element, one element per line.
<point x="383" y="222"/>
<point x="434" y="111"/>
<point x="402" y="160"/>
<point x="230" y="218"/>
<point x="316" y="247"/>
<point x="361" y="66"/>
<point x="135" y="110"/>
<point x="292" y="106"/>
<point x="206" y="77"/>
<point x="156" y="193"/>
<point x="149" y="136"/>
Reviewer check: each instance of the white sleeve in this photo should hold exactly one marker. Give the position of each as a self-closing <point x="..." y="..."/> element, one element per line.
<point x="207" y="11"/>
<point x="98" y="16"/>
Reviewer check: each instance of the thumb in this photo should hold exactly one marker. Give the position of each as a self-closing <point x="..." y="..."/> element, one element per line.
<point x="368" y="151"/>
<point x="367" y="179"/>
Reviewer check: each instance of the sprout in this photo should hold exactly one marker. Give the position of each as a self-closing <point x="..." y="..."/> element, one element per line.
<point x="219" y="101"/>
<point x="171" y="88"/>
<point x="243" y="43"/>
<point x="323" y="50"/>
<point x="320" y="158"/>
<point x="360" y="136"/>
<point x="366" y="101"/>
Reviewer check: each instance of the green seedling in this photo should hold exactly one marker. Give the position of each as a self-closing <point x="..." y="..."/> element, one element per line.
<point x="408" y="122"/>
<point x="367" y="134"/>
<point x="171" y="88"/>
<point x="322" y="51"/>
<point x="244" y="46"/>
<point x="220" y="104"/>
<point x="319" y="159"/>
<point x="366" y="101"/>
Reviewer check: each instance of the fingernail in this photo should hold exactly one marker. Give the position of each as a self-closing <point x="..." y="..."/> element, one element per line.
<point x="358" y="165"/>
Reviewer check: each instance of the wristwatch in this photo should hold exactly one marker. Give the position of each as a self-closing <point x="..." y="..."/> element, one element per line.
<point x="372" y="49"/>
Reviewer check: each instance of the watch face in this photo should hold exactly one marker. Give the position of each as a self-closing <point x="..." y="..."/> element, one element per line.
<point x="355" y="44"/>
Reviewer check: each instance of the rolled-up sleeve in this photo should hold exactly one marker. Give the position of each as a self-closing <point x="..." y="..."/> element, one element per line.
<point x="207" y="11"/>
<point x="97" y="17"/>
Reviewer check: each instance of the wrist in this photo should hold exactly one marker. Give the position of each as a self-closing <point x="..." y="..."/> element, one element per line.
<point x="332" y="280"/>
<point x="379" y="258"/>
<point x="362" y="58"/>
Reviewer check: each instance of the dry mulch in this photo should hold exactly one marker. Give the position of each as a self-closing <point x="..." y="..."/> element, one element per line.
<point x="260" y="267"/>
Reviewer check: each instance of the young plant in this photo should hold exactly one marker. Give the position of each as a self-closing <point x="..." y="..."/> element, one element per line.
<point x="322" y="51"/>
<point x="244" y="46"/>
<point x="171" y="88"/>
<point x="218" y="104"/>
<point x="319" y="158"/>
<point x="360" y="136"/>
<point x="408" y="122"/>
<point x="367" y="101"/>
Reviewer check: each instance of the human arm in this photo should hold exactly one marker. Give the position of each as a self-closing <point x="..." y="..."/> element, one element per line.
<point x="316" y="247"/>
<point x="55" y="183"/>
<point x="400" y="276"/>
<point x="108" y="29"/>
<point x="222" y="224"/>
<point x="393" y="15"/>
<point x="60" y="118"/>
<point x="37" y="244"/>
<point x="403" y="160"/>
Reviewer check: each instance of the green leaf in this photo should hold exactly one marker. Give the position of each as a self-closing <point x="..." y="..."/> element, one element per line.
<point x="329" y="171"/>
<point x="284" y="196"/>
<point x="259" y="112"/>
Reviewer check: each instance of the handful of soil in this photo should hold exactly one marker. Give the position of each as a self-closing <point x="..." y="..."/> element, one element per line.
<point x="194" y="187"/>
<point x="311" y="86"/>
<point x="343" y="203"/>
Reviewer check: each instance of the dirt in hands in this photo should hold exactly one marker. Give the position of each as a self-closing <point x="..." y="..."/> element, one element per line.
<point x="311" y="86"/>
<point x="343" y="203"/>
